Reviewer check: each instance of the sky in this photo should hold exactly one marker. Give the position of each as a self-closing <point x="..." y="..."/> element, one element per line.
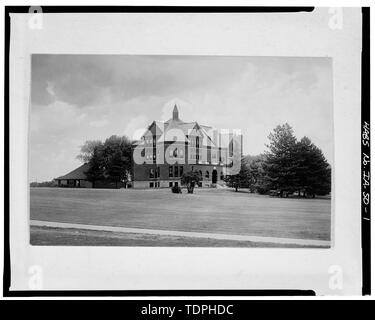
<point x="75" y="98"/>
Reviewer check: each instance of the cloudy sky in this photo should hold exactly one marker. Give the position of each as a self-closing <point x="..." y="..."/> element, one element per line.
<point x="75" y="98"/>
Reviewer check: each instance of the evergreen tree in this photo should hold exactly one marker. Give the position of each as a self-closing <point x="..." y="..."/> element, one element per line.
<point x="313" y="171"/>
<point x="280" y="163"/>
<point x="292" y="165"/>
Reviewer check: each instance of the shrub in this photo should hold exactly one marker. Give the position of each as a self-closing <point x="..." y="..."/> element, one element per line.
<point x="176" y="189"/>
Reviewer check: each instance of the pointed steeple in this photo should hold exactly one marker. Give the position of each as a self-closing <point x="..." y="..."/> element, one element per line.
<point x="175" y="113"/>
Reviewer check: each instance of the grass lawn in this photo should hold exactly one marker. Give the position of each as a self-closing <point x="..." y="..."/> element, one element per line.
<point x="207" y="210"/>
<point x="77" y="237"/>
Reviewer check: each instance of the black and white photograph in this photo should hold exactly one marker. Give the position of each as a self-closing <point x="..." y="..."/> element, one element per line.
<point x="181" y="151"/>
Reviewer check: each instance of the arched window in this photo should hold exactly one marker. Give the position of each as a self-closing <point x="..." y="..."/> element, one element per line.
<point x="207" y="174"/>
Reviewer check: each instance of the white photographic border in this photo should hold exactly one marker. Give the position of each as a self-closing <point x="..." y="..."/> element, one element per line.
<point x="234" y="34"/>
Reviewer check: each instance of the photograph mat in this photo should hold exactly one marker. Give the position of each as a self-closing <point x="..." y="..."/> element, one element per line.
<point x="193" y="34"/>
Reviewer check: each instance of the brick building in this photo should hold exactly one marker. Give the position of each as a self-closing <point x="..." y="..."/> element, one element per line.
<point x="168" y="149"/>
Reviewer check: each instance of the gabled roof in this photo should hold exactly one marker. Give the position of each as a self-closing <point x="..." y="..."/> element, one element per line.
<point x="76" y="174"/>
<point x="188" y="129"/>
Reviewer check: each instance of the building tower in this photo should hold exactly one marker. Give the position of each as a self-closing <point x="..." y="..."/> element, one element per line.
<point x="175" y="113"/>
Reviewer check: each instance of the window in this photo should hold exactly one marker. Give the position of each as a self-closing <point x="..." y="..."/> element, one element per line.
<point x="207" y="174"/>
<point x="152" y="173"/>
<point x="174" y="153"/>
<point x="170" y="171"/>
<point x="197" y="142"/>
<point x="170" y="184"/>
<point x="181" y="170"/>
<point x="176" y="184"/>
<point x="200" y="173"/>
<point x="221" y="176"/>
<point x="158" y="172"/>
<point x="176" y="171"/>
<point x="151" y="184"/>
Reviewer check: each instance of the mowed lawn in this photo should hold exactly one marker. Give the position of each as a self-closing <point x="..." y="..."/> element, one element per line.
<point x="207" y="210"/>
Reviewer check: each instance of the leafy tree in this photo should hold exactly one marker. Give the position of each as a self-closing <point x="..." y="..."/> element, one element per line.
<point x="87" y="150"/>
<point x="190" y="179"/>
<point x="256" y="173"/>
<point x="96" y="168"/>
<point x="117" y="157"/>
<point x="111" y="160"/>
<point x="44" y="184"/>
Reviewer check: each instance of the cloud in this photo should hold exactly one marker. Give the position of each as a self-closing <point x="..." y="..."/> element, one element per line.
<point x="83" y="80"/>
<point x="99" y="123"/>
<point x="136" y="127"/>
<point x="55" y="119"/>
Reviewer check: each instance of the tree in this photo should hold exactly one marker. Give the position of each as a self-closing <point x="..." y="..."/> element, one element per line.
<point x="256" y="173"/>
<point x="117" y="157"/>
<point x="241" y="179"/>
<point x="313" y="172"/>
<point x="96" y="168"/>
<point x="87" y="150"/>
<point x="280" y="161"/>
<point x="190" y="179"/>
<point x="111" y="160"/>
<point x="292" y="165"/>
<point x="44" y="184"/>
